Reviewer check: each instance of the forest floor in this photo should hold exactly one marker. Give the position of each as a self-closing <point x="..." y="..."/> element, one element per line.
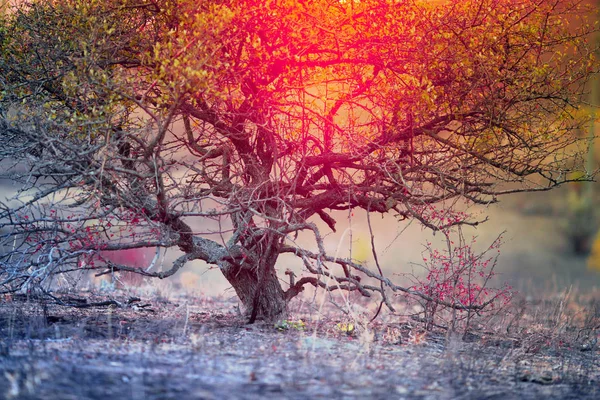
<point x="194" y="347"/>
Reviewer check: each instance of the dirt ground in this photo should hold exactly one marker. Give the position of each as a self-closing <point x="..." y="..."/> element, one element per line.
<point x="201" y="348"/>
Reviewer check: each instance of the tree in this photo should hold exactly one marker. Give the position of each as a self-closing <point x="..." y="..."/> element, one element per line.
<point x="127" y="121"/>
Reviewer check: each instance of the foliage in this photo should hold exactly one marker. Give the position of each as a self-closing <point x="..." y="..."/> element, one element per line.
<point x="459" y="275"/>
<point x="129" y="122"/>
<point x="347" y="328"/>
<point x="287" y="325"/>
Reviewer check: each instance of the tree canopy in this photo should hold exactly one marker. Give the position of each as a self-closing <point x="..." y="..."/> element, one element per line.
<point x="124" y="120"/>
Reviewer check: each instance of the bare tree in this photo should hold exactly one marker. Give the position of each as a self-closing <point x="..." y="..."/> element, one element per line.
<point x="127" y="123"/>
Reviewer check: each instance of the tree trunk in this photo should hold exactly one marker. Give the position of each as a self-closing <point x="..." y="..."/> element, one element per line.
<point x="256" y="282"/>
<point x="271" y="301"/>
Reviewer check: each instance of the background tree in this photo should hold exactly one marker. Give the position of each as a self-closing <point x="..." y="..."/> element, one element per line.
<point x="581" y="225"/>
<point x="128" y="122"/>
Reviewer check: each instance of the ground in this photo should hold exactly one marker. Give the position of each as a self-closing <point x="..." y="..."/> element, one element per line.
<point x="195" y="347"/>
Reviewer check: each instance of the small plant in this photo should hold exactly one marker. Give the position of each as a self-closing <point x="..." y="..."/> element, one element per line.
<point x="458" y="280"/>
<point x="286" y="325"/>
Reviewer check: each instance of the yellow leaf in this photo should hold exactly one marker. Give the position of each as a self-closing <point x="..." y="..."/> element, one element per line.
<point x="345" y="327"/>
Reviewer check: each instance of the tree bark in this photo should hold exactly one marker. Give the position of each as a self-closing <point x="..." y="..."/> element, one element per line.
<point x="271" y="302"/>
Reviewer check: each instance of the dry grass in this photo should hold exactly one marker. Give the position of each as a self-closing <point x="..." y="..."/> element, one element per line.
<point x="544" y="348"/>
